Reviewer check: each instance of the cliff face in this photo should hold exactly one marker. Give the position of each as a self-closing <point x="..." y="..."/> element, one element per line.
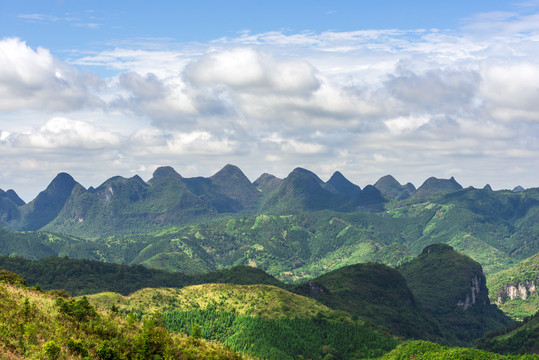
<point x="452" y="287"/>
<point x="516" y="290"/>
<point x="521" y="290"/>
<point x="477" y="293"/>
<point x="442" y="278"/>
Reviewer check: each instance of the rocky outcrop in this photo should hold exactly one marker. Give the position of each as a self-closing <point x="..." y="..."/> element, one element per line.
<point x="476" y="293"/>
<point x="521" y="290"/>
<point x="316" y="289"/>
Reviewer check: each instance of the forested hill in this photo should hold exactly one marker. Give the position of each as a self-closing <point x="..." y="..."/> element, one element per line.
<point x="131" y="205"/>
<point x="373" y="292"/>
<point x="81" y="277"/>
<point x="495" y="228"/>
<point x="39" y="325"/>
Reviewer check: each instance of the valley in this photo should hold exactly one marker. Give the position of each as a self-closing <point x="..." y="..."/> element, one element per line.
<point x="299" y="260"/>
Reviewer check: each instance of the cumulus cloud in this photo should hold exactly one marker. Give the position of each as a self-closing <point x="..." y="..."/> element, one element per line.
<point x="156" y="142"/>
<point x="59" y="132"/>
<point x="295" y="146"/>
<point x="415" y="103"/>
<point x="34" y="79"/>
<point x="438" y="91"/>
<point x="161" y="100"/>
<point x="511" y="91"/>
<point x="245" y="68"/>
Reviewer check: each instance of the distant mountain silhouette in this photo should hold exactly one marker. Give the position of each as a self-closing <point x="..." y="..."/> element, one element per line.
<point x="267" y="183"/>
<point x="342" y="185"/>
<point x="389" y="186"/>
<point x="437" y="186"/>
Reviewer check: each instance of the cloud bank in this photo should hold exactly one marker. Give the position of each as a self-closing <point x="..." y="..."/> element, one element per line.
<point x="414" y="103"/>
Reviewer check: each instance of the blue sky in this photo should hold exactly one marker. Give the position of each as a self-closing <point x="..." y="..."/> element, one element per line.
<point x="414" y="89"/>
<point x="69" y="24"/>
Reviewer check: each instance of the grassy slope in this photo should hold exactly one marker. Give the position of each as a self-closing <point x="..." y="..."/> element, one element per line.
<point x="34" y="326"/>
<point x="261" y="320"/>
<point x="265" y="301"/>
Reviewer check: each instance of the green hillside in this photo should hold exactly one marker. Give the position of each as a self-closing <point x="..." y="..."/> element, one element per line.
<point x="515" y="290"/>
<point x="38" y="325"/>
<point x="124" y="206"/>
<point x="46" y="206"/>
<point x="428" y="350"/>
<point x="341" y="185"/>
<point x="301" y="190"/>
<point x="264" y="321"/>
<point x="452" y="288"/>
<point x="497" y="229"/>
<point x="437" y="186"/>
<point x="523" y="338"/>
<point x="296" y="228"/>
<point x="80" y="277"/>
<point x="264" y="301"/>
<point x="376" y="293"/>
<point x="389" y="186"/>
<point x="9" y="210"/>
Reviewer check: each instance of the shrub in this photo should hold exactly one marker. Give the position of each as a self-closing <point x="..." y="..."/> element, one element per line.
<point x="80" y="309"/>
<point x="12" y="278"/>
<point x="51" y="350"/>
<point x="77" y="347"/>
<point x="107" y="351"/>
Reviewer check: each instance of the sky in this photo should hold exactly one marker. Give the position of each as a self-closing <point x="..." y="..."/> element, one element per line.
<point x="413" y="89"/>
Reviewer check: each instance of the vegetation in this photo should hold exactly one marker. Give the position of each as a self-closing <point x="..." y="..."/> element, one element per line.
<point x="260" y="320"/>
<point x="515" y="290"/>
<point x="284" y="338"/>
<point x="80" y="277"/>
<point x="427" y="350"/>
<point x="440" y="279"/>
<point x="376" y="293"/>
<point x="39" y="325"/>
<point x="522" y="338"/>
<point x="452" y="288"/>
<point x="497" y="229"/>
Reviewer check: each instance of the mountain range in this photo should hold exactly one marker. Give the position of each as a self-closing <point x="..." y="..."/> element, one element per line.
<point x="305" y="267"/>
<point x="131" y="205"/>
<point x="296" y="227"/>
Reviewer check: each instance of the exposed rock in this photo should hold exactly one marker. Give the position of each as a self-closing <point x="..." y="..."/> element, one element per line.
<point x="316" y="289"/>
<point x="522" y="290"/>
<point x="474" y="295"/>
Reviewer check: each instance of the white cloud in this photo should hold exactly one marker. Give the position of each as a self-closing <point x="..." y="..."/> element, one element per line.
<point x="60" y="132"/>
<point x="406" y="123"/>
<point x="33" y="79"/>
<point x="414" y="103"/>
<point x="295" y="146"/>
<point x="247" y="69"/>
<point x="511" y="91"/>
<point x="156" y="142"/>
<point x="41" y="18"/>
